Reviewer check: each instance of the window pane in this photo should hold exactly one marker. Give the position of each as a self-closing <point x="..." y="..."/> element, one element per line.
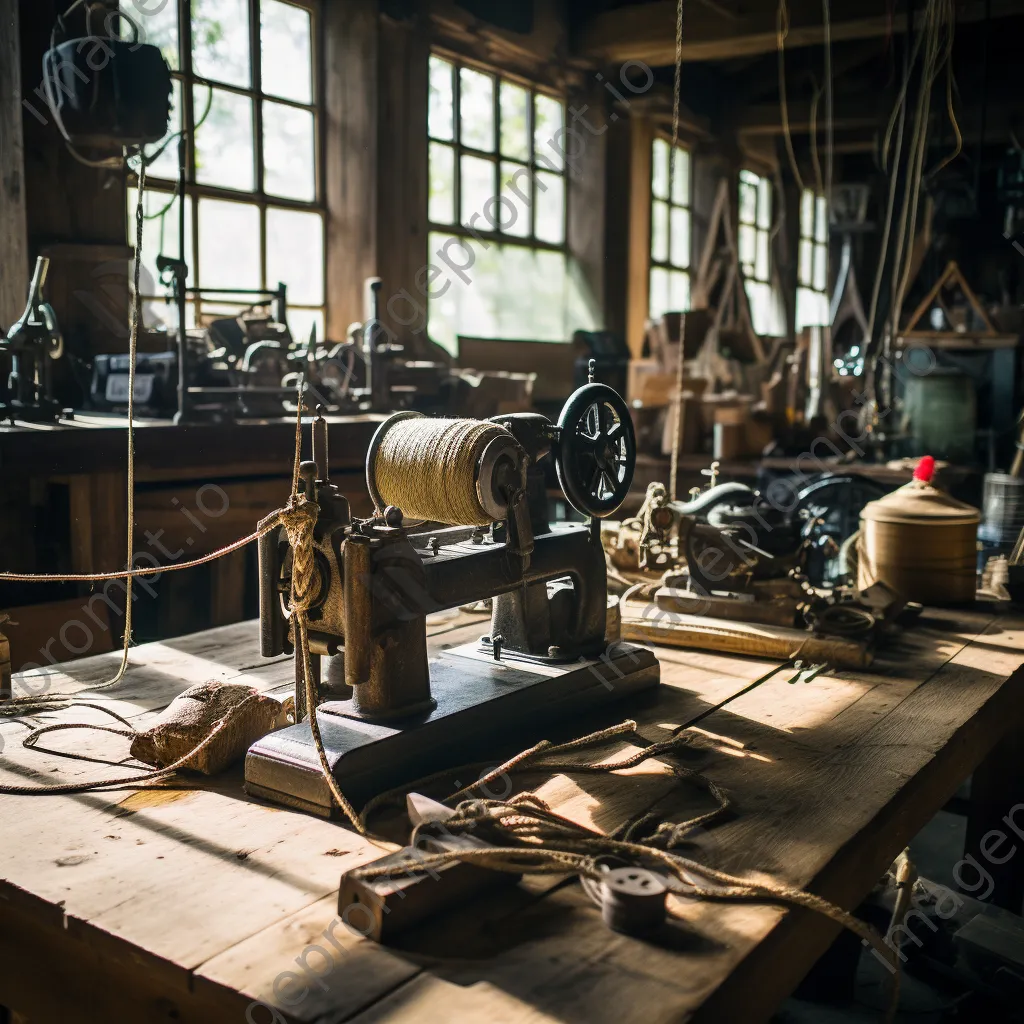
<point x="476" y="98"/>
<point x="821" y="220"/>
<point x="159" y="238"/>
<point x="659" y="168"/>
<point x="659" y="232"/>
<point x="761" y="306"/>
<point x="547" y="113"/>
<point x="289" y="153"/>
<point x="441" y="209"/>
<point x="295" y="254"/>
<point x="492" y="304"/>
<point x="761" y="263"/>
<point x="224" y="154"/>
<point x="286" y="63"/>
<point x="515" y="121"/>
<point x="659" y="301"/>
<point x="819" y="267"/>
<point x="550" y="226"/>
<point x="157" y="25"/>
<point x="681" y="178"/>
<point x="748" y="203"/>
<point x="220" y="40"/>
<point x="515" y="188"/>
<point x="764" y="203"/>
<point x="748" y="247"/>
<point x="680" y="255"/>
<point x="301" y="321"/>
<point x="807" y="213"/>
<point x="439" y="117"/>
<point x="229" y="244"/>
<point x="805" y="270"/>
<point x="477" y="183"/>
<point x="679" y="291"/>
<point x="166" y="164"/>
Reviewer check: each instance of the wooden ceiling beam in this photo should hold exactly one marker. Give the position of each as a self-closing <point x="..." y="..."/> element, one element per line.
<point x="647" y="31"/>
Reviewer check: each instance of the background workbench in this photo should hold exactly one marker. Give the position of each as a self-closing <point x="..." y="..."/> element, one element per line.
<point x="189" y="902"/>
<point x="62" y="509"/>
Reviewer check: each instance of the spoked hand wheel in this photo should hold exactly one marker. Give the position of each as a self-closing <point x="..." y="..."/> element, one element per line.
<point x="596" y="450"/>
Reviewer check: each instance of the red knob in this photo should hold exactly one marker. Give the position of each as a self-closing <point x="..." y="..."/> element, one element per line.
<point x="925" y="469"/>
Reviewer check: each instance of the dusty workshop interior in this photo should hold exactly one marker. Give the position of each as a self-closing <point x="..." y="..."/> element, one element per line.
<point x="511" y="510"/>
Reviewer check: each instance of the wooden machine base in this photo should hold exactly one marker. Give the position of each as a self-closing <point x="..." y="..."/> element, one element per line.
<point x="486" y="710"/>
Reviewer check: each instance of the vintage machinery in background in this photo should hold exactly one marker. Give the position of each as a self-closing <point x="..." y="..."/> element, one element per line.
<point x="731" y="553"/>
<point x="236" y="366"/>
<point x="390" y="715"/>
<point x="31" y="346"/>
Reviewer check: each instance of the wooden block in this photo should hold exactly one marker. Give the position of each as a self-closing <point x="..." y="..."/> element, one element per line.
<point x="395" y="902"/>
<point x="762" y="641"/>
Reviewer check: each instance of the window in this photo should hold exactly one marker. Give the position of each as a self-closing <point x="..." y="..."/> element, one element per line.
<point x="812" y="304"/>
<point x="497" y="210"/>
<point x="244" y="84"/>
<point x="670" y="231"/>
<point x="755" y="221"/>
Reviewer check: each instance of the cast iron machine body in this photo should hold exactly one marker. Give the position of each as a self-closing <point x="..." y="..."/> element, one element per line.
<point x="388" y="713"/>
<point x="32" y="344"/>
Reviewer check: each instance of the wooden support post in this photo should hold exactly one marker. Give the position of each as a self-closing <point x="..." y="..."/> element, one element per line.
<point x="351" y="44"/>
<point x="13" y="231"/>
<point x="638" y="300"/>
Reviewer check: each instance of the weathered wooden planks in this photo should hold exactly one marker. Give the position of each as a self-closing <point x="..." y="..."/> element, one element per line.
<point x="829" y="780"/>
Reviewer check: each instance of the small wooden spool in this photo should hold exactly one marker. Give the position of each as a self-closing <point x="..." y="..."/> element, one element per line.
<point x="921" y="542"/>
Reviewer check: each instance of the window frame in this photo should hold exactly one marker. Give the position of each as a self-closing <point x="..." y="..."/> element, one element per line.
<point x="687" y="204"/>
<point x="456" y="228"/>
<point x="187" y="80"/>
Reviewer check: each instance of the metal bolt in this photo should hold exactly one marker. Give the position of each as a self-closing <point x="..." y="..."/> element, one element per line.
<point x="496" y="641"/>
<point x="433" y="543"/>
<point x="554" y="651"/>
<point x="393" y="516"/>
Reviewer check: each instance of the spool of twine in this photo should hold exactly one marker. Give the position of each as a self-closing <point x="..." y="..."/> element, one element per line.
<point x="428" y="468"/>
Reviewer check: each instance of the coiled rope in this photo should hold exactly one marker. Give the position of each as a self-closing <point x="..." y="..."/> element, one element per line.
<point x="524" y="835"/>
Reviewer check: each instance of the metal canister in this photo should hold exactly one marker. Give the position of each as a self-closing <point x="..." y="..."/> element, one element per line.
<point x="921" y="542"/>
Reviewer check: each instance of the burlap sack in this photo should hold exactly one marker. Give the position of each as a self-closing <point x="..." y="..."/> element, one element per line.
<point x="192" y="716"/>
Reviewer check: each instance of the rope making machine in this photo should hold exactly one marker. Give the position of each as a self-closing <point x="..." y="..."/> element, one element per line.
<point x="461" y="515"/>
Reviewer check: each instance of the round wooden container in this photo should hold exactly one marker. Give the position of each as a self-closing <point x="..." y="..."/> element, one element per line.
<point x="921" y="542"/>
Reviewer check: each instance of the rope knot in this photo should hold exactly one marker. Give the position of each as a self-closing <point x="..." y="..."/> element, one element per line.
<point x="299" y="518"/>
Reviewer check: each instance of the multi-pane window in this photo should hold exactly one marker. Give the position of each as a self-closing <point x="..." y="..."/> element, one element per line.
<point x="812" y="266"/>
<point x="497" y="210"/>
<point x="244" y="86"/>
<point x="670" y="230"/>
<point x="755" y="220"/>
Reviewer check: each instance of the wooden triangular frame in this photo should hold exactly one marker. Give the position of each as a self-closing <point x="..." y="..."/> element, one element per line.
<point x="951" y="274"/>
<point x="733" y="294"/>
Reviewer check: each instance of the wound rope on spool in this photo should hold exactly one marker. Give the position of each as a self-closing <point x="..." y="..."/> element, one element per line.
<point x="428" y="468"/>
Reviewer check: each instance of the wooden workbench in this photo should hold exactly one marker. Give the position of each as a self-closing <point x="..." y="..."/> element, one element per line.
<point x="186" y="904"/>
